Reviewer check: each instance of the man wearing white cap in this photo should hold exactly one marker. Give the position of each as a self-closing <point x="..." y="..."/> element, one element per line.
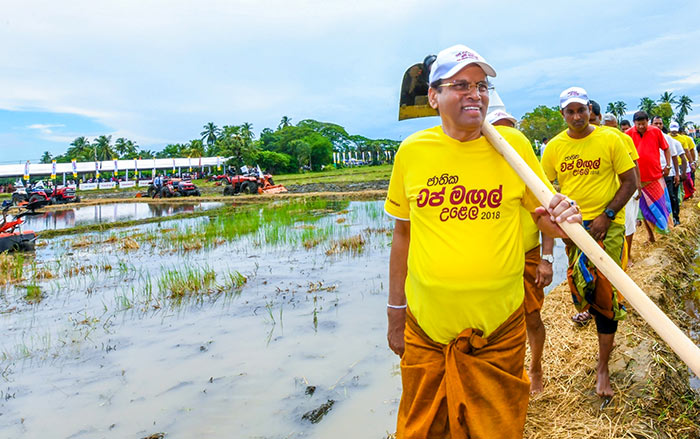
<point x="536" y="276"/>
<point x="455" y="291"/>
<point x="594" y="168"/>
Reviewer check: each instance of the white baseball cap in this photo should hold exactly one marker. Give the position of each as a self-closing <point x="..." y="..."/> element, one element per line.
<point x="497" y="115"/>
<point x="674" y="126"/>
<point x="609" y="116"/>
<point x="573" y="94"/>
<point x="453" y="59"/>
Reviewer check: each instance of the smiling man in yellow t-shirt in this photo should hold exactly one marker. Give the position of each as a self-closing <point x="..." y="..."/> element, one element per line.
<point x="457" y="261"/>
<point x="594" y="168"/>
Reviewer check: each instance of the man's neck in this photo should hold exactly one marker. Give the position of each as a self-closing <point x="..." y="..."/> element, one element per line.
<point x="581" y="134"/>
<point x="462" y="134"/>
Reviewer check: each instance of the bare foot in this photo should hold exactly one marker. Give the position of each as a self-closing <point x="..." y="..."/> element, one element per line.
<point x="602" y="385"/>
<point x="536" y="385"/>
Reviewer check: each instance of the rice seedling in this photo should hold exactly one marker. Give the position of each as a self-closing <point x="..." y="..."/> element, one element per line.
<point x="83" y="241"/>
<point x="354" y="244"/>
<point x="33" y="293"/>
<point x="11" y="268"/>
<point x="129" y="244"/>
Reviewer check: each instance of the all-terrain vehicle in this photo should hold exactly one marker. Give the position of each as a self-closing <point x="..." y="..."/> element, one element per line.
<point x="252" y="181"/>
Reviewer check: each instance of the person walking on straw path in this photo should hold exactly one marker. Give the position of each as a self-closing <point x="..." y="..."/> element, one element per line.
<point x="654" y="203"/>
<point x="632" y="206"/>
<point x="536" y="276"/>
<point x="593" y="167"/>
<point x="689" y="147"/>
<point x="677" y="173"/>
<point x="455" y="312"/>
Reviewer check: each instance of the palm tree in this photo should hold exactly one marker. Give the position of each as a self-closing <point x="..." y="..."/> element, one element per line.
<point x="285" y="122"/>
<point x="211" y="133"/>
<point x="126" y="148"/>
<point x="667" y="97"/>
<point x="46" y="158"/>
<point x="684" y="105"/>
<point x="80" y="149"/>
<point x="247" y="131"/>
<point x="647" y="105"/>
<point x="103" y="149"/>
<point x="611" y="108"/>
<point x="620" y="109"/>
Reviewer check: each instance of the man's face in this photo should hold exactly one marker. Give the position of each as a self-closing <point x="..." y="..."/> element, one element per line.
<point x="625" y="126"/>
<point x="594" y="118"/>
<point x="504" y="123"/>
<point x="464" y="110"/>
<point x="576" y="116"/>
<point x="641" y="125"/>
<point x="674" y="133"/>
<point x="658" y="123"/>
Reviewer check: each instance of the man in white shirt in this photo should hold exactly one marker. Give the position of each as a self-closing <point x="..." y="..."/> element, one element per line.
<point x="676" y="174"/>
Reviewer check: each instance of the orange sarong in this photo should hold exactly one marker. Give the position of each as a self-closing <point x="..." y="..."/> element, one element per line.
<point x="534" y="295"/>
<point x="473" y="387"/>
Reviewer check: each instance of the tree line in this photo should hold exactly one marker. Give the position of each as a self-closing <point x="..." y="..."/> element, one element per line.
<point x="546" y="122"/>
<point x="288" y="149"/>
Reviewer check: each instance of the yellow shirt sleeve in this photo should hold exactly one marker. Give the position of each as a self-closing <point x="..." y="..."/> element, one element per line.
<point x="396" y="204"/>
<point x="631" y="149"/>
<point x="621" y="159"/>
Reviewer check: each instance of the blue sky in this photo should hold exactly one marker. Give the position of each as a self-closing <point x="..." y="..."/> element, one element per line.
<point x="157" y="71"/>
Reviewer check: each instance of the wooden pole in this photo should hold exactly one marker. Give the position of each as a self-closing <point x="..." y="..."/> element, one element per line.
<point x="688" y="352"/>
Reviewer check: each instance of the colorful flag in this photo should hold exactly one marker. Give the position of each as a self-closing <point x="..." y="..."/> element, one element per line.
<point x="53" y="169"/>
<point x="116" y="167"/>
<point x="75" y="168"/>
<point x="26" y="170"/>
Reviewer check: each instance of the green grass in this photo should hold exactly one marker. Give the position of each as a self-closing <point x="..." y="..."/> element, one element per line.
<point x="343" y="175"/>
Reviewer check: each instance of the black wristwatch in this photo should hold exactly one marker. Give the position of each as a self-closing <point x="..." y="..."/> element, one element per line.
<point x="609" y="213"/>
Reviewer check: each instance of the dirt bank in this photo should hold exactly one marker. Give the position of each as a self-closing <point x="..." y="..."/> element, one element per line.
<point x="653" y="398"/>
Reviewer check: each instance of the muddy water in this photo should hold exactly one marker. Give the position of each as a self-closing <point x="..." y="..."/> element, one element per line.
<point x="107" y="213"/>
<point x="105" y="354"/>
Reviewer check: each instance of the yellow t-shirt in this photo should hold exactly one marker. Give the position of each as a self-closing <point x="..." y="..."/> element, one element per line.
<point x="626" y="140"/>
<point x="466" y="257"/>
<point x="531" y="234"/>
<point x="588" y="169"/>
<point x="686" y="141"/>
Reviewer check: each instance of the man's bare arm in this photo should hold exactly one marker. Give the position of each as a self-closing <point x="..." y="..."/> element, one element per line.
<point x="398" y="266"/>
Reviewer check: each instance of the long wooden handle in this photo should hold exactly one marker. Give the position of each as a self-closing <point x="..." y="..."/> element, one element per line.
<point x="688" y="352"/>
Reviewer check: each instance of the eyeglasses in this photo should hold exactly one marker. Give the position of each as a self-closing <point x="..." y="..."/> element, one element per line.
<point x="464" y="86"/>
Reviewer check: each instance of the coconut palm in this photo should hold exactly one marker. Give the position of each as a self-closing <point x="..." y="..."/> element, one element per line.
<point x="126" y="148"/>
<point x="46" y="158"/>
<point x="285" y="122"/>
<point x="211" y="133"/>
<point x="103" y="148"/>
<point x="620" y="109"/>
<point x="80" y="149"/>
<point x="667" y="97"/>
<point x="647" y="105"/>
<point x="247" y="131"/>
<point x="684" y="105"/>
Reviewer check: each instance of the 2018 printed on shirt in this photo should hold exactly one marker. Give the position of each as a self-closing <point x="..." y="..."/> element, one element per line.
<point x="462" y="203"/>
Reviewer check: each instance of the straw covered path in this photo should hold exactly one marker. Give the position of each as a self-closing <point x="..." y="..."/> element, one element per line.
<point x="653" y="398"/>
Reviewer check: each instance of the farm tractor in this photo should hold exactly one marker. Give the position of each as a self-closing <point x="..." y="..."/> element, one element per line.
<point x="173" y="187"/>
<point x="251" y="182"/>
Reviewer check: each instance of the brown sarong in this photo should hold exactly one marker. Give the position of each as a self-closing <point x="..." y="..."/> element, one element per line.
<point x="473" y="387"/>
<point x="534" y="295"/>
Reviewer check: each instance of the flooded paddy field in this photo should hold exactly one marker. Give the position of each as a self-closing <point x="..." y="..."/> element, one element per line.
<point x="68" y="217"/>
<point x="267" y="323"/>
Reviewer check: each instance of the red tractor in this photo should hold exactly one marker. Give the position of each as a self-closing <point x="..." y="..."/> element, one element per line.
<point x="251" y="183"/>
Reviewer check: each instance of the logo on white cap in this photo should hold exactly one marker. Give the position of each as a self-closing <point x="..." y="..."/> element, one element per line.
<point x="453" y="59"/>
<point x="573" y="94"/>
<point x="674" y="126"/>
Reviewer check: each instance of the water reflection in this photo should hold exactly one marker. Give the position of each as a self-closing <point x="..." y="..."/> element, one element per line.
<point x="107" y="213"/>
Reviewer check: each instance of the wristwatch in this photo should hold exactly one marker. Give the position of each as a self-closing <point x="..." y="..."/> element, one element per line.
<point x="548" y="258"/>
<point x="610" y="213"/>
